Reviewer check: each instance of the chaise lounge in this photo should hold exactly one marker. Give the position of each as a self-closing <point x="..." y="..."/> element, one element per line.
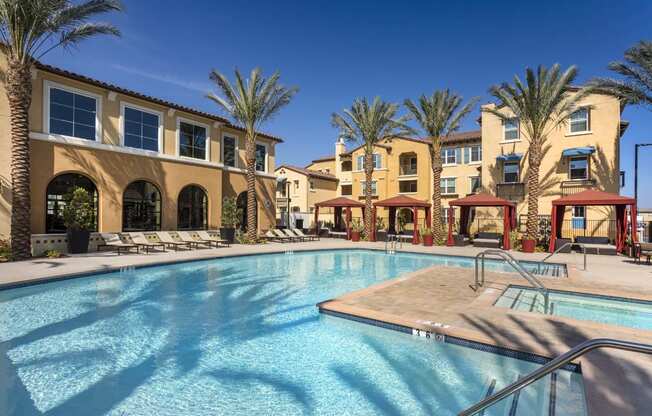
<point x="140" y="240"/>
<point x="488" y="240"/>
<point x="114" y="242"/>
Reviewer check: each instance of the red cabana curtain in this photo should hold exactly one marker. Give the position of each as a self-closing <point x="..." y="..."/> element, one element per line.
<point x="621" y="227"/>
<point x="507" y="222"/>
<point x="464" y="219"/>
<point x="557" y="219"/>
<point x="632" y="211"/>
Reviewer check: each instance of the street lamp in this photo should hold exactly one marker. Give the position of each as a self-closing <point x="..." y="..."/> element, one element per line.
<point x="636" y="146"/>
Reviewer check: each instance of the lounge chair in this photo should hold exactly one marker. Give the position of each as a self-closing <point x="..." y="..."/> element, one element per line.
<point x="488" y="240"/>
<point x="280" y="234"/>
<point x="204" y="235"/>
<point x="113" y="240"/>
<point x="140" y="240"/>
<point x="461" y="240"/>
<point x="270" y="236"/>
<point x="187" y="238"/>
<point x="597" y="245"/>
<point x="167" y="239"/>
<point x="291" y="234"/>
<point x="299" y="232"/>
<point x="642" y="250"/>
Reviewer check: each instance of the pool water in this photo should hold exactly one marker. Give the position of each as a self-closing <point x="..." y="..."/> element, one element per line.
<point x="242" y="336"/>
<point x="607" y="310"/>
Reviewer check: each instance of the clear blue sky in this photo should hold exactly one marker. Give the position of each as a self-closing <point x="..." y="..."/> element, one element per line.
<point x="338" y="50"/>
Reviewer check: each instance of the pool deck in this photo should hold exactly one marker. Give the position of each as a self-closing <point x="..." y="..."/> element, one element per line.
<point x="442" y="295"/>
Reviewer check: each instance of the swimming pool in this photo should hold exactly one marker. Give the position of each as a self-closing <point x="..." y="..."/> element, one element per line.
<point x="586" y="307"/>
<point x="241" y="336"/>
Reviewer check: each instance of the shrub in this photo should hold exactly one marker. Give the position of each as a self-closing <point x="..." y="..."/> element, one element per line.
<point x="357" y="225"/>
<point x="425" y="231"/>
<point x="230" y="212"/>
<point x="53" y="254"/>
<point x="78" y="213"/>
<point x="5" y="249"/>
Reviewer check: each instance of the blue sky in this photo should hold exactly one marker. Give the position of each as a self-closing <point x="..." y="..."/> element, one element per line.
<point x="336" y="51"/>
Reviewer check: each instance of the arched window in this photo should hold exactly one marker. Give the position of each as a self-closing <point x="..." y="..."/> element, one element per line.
<point x="192" y="209"/>
<point x="56" y="199"/>
<point x="141" y="207"/>
<point x="241" y="204"/>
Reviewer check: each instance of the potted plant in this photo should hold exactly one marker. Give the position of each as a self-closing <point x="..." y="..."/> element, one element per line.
<point x="356" y="228"/>
<point x="230" y="217"/>
<point x="79" y="219"/>
<point x="426" y="236"/>
<point x="381" y="233"/>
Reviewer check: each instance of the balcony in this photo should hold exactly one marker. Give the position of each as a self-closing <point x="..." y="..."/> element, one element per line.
<point x="575" y="186"/>
<point x="511" y="191"/>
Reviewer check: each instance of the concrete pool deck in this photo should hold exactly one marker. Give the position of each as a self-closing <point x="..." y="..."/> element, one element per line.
<point x="441" y="294"/>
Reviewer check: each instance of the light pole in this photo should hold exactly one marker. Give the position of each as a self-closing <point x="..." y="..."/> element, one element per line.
<point x="636" y="146"/>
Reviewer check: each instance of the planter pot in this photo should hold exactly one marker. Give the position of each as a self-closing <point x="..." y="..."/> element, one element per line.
<point x="529" y="246"/>
<point x="381" y="235"/>
<point x="78" y="241"/>
<point x="228" y="234"/>
<point x="355" y="235"/>
<point x="427" y="240"/>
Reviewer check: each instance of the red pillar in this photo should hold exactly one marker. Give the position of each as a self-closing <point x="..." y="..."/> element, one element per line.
<point x="428" y="218"/>
<point x="348" y="223"/>
<point x="507" y="222"/>
<point x="415" y="231"/>
<point x="553" y="229"/>
<point x="451" y="216"/>
<point x="632" y="211"/>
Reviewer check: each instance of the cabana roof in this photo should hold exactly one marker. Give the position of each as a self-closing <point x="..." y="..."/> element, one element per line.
<point x="481" y="200"/>
<point x="593" y="197"/>
<point x="402" y="201"/>
<point x="340" y="202"/>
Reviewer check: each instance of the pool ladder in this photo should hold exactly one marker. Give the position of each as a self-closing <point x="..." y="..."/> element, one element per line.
<point x="582" y="246"/>
<point x="392" y="242"/>
<point x="554" y="365"/>
<point x="509" y="259"/>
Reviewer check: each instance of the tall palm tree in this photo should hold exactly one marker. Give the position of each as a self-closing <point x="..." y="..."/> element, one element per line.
<point x="438" y="116"/>
<point x="636" y="87"/>
<point x="542" y="104"/>
<point x="29" y="29"/>
<point x="369" y="124"/>
<point x="250" y="103"/>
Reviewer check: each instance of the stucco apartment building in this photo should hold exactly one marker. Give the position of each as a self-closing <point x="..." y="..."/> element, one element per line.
<point x="149" y="164"/>
<point x="581" y="153"/>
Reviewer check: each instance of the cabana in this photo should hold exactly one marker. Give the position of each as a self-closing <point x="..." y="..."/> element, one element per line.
<point x="338" y="204"/>
<point x="481" y="200"/>
<point x="594" y="197"/>
<point x="402" y="201"/>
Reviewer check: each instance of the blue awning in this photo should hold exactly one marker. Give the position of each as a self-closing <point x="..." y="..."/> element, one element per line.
<point x="512" y="157"/>
<point x="578" y="151"/>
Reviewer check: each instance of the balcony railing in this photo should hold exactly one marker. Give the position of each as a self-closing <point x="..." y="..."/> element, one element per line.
<point x="575" y="186"/>
<point x="406" y="171"/>
<point x="511" y="191"/>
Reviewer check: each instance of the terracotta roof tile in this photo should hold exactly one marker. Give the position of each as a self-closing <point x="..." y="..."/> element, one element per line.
<point x="309" y="172"/>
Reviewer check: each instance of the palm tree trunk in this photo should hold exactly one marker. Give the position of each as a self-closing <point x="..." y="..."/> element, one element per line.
<point x="435" y="157"/>
<point x="250" y="156"/>
<point x="533" y="189"/>
<point x="19" y="94"/>
<point x="368" y="210"/>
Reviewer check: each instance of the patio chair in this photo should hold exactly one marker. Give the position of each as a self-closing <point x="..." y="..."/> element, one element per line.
<point x="299" y="232"/>
<point x="113" y="241"/>
<point x="167" y="239"/>
<point x="270" y="236"/>
<point x="204" y="235"/>
<point x="187" y="238"/>
<point x="597" y="245"/>
<point x="642" y="250"/>
<point x="291" y="234"/>
<point x="280" y="234"/>
<point x="140" y="240"/>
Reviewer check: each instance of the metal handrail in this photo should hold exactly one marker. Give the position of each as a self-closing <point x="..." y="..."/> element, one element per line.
<point x="563" y="247"/>
<point x="555" y="364"/>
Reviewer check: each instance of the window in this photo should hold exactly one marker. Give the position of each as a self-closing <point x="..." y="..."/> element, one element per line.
<point x="447" y="186"/>
<point x="578" y="168"/>
<point x="374" y="191"/>
<point x="408" y="164"/>
<point x="347" y="190"/>
<point x="347" y="166"/>
<point x="141" y="129"/>
<point x="229" y="150"/>
<point x="141" y="207"/>
<point x="296" y="186"/>
<point x="510" y="172"/>
<point x="475" y="154"/>
<point x="192" y="209"/>
<point x="261" y="158"/>
<point x="475" y="183"/>
<point x="312" y="184"/>
<point x="511" y="129"/>
<point x="72" y="114"/>
<point x="405" y="187"/>
<point x="579" y="218"/>
<point x="449" y="156"/>
<point x="579" y="121"/>
<point x="444" y="215"/>
<point x="192" y="141"/>
<point x="360" y="161"/>
<point x="56" y="193"/>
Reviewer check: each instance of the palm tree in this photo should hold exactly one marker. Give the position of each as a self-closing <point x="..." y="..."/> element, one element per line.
<point x="368" y="125"/>
<point x="636" y="88"/>
<point x="542" y="104"/>
<point x="438" y="116"/>
<point x="250" y="103"/>
<point x="29" y="29"/>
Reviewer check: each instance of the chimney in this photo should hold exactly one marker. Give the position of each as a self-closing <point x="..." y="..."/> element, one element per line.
<point x="340" y="148"/>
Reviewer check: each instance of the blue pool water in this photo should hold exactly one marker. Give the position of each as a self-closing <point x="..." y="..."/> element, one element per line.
<point x="614" y="311"/>
<point x="240" y="336"/>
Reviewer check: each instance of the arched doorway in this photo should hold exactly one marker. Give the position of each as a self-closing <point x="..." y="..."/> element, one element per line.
<point x="192" y="209"/>
<point x="241" y="204"/>
<point x="141" y="207"/>
<point x="55" y="199"/>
